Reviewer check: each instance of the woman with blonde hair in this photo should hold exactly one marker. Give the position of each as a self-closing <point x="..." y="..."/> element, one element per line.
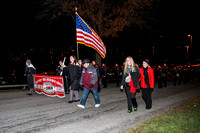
<point x="130" y="81"/>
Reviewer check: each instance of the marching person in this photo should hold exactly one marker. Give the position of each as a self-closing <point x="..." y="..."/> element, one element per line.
<point x="117" y="75"/>
<point x="165" y="74"/>
<point x="89" y="81"/>
<point x="104" y="75"/>
<point x="130" y="81"/>
<point x="63" y="71"/>
<point x="74" y="74"/>
<point x="80" y="63"/>
<point x="147" y="82"/>
<point x="29" y="71"/>
<point x="159" y="74"/>
<point x="98" y="69"/>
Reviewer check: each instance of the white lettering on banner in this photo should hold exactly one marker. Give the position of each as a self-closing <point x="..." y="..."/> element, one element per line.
<point x="49" y="85"/>
<point x="60" y="89"/>
<point x="58" y="83"/>
<point x="39" y="80"/>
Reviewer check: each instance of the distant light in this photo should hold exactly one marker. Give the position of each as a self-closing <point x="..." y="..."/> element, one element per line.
<point x="188" y="35"/>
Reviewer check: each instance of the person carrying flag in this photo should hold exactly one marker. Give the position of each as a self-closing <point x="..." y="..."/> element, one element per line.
<point x="130" y="81"/>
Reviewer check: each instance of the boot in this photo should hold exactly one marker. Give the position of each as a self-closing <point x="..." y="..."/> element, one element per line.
<point x="30" y="91"/>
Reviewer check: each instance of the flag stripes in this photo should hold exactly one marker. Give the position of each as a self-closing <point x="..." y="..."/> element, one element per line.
<point x="87" y="36"/>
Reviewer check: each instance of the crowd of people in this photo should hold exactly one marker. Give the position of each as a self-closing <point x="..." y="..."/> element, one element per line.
<point x="90" y="76"/>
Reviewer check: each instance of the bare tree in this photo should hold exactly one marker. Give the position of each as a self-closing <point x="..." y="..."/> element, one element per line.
<point x="107" y="18"/>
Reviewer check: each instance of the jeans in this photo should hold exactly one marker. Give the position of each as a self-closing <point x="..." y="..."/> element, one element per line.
<point x="85" y="95"/>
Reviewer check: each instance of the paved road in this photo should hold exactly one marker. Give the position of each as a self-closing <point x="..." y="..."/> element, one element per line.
<point x="39" y="113"/>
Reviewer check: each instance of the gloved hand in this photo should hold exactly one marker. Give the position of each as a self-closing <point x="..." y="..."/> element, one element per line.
<point x="91" y="86"/>
<point x="121" y="88"/>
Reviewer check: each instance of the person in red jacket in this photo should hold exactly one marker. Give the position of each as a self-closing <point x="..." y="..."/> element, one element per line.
<point x="146" y="82"/>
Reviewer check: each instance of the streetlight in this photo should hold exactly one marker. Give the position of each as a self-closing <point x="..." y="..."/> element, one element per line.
<point x="187" y="50"/>
<point x="189" y="35"/>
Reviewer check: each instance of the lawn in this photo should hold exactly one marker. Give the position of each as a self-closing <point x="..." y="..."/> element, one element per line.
<point x="182" y="119"/>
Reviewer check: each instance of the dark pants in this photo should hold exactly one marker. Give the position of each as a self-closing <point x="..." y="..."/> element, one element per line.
<point x="165" y="81"/>
<point x="99" y="85"/>
<point x="117" y="80"/>
<point x="66" y="87"/>
<point x="131" y="99"/>
<point x="30" y="82"/>
<point x="160" y="83"/>
<point x="104" y="80"/>
<point x="146" y="95"/>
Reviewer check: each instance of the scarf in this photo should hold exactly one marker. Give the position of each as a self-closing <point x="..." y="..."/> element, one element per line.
<point x="146" y="76"/>
<point x="31" y="65"/>
<point x="134" y="79"/>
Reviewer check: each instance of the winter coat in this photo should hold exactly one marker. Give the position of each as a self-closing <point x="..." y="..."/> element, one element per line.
<point x="74" y="76"/>
<point x="134" y="83"/>
<point x="150" y="72"/>
<point x="89" y="76"/>
<point x="63" y="71"/>
<point x="29" y="71"/>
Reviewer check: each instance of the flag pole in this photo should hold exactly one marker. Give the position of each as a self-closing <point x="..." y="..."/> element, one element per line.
<point x="76" y="41"/>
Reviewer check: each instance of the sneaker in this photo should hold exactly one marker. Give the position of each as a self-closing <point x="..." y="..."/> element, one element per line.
<point x="81" y="106"/>
<point x="97" y="105"/>
<point x="129" y="111"/>
<point x="135" y="109"/>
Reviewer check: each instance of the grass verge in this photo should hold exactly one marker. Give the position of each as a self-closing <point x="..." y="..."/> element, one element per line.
<point x="182" y="119"/>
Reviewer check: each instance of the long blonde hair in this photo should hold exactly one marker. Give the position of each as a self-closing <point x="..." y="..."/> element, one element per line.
<point x="132" y="65"/>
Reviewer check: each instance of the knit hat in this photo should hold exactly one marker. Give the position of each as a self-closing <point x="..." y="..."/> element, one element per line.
<point x="86" y="61"/>
<point x="28" y="61"/>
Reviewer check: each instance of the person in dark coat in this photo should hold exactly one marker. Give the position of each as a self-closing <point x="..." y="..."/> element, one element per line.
<point x="117" y="71"/>
<point x="63" y="71"/>
<point x="75" y="74"/>
<point x="98" y="69"/>
<point x="104" y="71"/>
<point x="159" y="74"/>
<point x="130" y="81"/>
<point x="165" y="74"/>
<point x="29" y="71"/>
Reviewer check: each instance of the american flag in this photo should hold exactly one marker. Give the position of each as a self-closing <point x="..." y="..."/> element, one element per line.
<point x="87" y="36"/>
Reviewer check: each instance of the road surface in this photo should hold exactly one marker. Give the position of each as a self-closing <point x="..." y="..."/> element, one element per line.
<point x="38" y="113"/>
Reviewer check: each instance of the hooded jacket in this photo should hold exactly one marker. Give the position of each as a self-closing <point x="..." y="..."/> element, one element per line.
<point x="89" y="76"/>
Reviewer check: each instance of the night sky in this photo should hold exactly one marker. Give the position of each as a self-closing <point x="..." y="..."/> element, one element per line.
<point x="176" y="20"/>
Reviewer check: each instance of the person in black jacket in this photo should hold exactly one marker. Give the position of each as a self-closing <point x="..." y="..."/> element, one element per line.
<point x="63" y="71"/>
<point x="130" y="81"/>
<point x="98" y="68"/>
<point x="75" y="75"/>
<point x="104" y="75"/>
<point x="117" y="73"/>
<point x="29" y="71"/>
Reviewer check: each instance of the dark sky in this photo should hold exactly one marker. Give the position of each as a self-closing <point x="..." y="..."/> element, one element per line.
<point x="176" y="20"/>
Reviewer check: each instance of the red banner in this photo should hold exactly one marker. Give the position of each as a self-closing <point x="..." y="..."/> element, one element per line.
<point x="49" y="85"/>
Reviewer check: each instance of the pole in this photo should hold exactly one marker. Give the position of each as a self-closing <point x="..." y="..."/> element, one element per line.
<point x="187" y="50"/>
<point x="77" y="50"/>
